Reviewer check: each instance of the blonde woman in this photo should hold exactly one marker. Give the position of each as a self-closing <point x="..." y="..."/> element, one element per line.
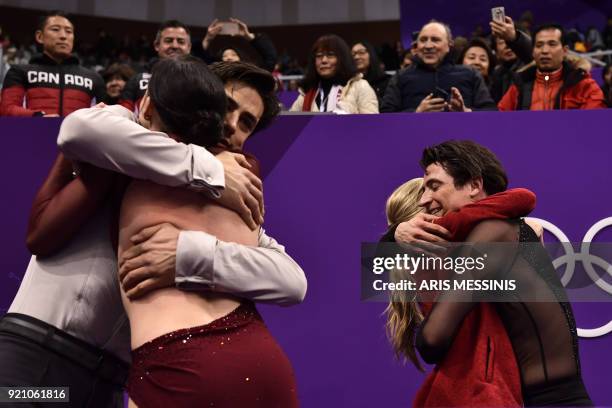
<point x="470" y="375"/>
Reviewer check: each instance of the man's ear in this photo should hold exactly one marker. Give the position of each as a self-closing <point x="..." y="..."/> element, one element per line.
<point x="145" y="110"/>
<point x="38" y="36"/>
<point x="476" y="187"/>
<point x="565" y="49"/>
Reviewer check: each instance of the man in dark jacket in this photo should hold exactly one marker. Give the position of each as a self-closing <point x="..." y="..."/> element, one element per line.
<point x="552" y="83"/>
<point x="434" y="83"/>
<point x="53" y="83"/>
<point x="513" y="50"/>
<point x="171" y="41"/>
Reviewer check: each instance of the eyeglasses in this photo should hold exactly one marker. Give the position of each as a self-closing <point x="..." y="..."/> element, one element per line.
<point x="321" y="54"/>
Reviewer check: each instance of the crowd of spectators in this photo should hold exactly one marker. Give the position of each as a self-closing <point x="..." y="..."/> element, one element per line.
<point x="515" y="66"/>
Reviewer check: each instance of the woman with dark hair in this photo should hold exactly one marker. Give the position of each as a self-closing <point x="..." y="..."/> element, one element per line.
<point x="478" y="54"/>
<point x="332" y="82"/>
<point x="369" y="65"/>
<point x="115" y="78"/>
<point x="195" y="349"/>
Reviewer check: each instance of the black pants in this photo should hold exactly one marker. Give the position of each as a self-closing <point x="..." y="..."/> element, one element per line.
<point x="25" y="363"/>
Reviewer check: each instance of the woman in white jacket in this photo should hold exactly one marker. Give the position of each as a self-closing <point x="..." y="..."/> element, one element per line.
<point x="332" y="83"/>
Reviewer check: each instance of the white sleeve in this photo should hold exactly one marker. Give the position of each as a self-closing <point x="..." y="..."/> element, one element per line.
<point x="263" y="274"/>
<point x="110" y="138"/>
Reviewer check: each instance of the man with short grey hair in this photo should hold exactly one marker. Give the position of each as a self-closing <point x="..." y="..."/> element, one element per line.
<point x="434" y="83"/>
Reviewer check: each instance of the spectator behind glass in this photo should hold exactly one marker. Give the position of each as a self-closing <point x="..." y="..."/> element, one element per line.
<point x="513" y="50"/>
<point x="368" y="64"/>
<point x="434" y="83"/>
<point x="53" y="83"/>
<point x="115" y="77"/>
<point x="332" y="82"/>
<point x="606" y="87"/>
<point x="235" y="52"/>
<point x="172" y="40"/>
<point x="552" y="83"/>
<point x="478" y="54"/>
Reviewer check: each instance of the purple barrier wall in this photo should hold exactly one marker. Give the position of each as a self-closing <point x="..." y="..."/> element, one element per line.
<point x="463" y="17"/>
<point x="326" y="182"/>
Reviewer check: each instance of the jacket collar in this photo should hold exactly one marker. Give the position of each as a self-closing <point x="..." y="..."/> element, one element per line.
<point x="44" y="59"/>
<point x="447" y="60"/>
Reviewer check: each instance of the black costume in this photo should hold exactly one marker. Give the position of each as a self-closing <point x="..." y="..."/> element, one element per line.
<point x="543" y="333"/>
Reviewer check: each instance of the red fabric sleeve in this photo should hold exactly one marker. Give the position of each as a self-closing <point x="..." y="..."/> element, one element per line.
<point x="517" y="202"/>
<point x="593" y="95"/>
<point x="510" y="99"/>
<point x="11" y="103"/>
<point x="63" y="204"/>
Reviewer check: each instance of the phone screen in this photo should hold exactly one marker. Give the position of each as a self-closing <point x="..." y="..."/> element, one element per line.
<point x="229" y="28"/>
<point x="498" y="14"/>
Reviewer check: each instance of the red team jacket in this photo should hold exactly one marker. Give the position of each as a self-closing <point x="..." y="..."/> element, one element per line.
<point x="480" y="369"/>
<point x="43" y="85"/>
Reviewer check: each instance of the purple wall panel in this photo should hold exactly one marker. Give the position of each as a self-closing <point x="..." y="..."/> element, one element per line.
<point x="326" y="182"/>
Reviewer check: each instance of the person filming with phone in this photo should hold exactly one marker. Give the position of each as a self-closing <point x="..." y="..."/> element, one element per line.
<point x="238" y="40"/>
<point x="434" y="83"/>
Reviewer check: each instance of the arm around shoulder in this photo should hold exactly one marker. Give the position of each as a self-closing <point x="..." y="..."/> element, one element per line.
<point x="264" y="274"/>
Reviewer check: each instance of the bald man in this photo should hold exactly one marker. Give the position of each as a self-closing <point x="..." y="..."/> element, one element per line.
<point x="434" y="83"/>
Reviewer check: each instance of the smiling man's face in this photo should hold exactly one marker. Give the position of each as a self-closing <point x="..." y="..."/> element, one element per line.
<point x="440" y="195"/>
<point x="433" y="44"/>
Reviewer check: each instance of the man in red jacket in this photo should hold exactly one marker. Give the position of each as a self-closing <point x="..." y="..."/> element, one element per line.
<point x="53" y="83"/>
<point x="552" y="83"/>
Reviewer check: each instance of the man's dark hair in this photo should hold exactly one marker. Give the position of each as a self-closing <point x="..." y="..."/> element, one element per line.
<point x="42" y="20"/>
<point x="170" y="24"/>
<point x="189" y="99"/>
<point x="345" y="67"/>
<point x="465" y="160"/>
<point x="375" y="71"/>
<point x="259" y="79"/>
<point x="551" y="26"/>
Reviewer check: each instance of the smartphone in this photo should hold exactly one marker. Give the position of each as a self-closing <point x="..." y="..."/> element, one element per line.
<point x="229" y="28"/>
<point x="441" y="93"/>
<point x="498" y="14"/>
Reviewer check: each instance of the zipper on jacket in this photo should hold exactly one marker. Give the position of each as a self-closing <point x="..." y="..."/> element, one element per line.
<point x="61" y="94"/>
<point x="546" y="98"/>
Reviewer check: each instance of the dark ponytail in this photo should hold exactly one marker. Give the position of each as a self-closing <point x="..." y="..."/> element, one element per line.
<point x="189" y="99"/>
